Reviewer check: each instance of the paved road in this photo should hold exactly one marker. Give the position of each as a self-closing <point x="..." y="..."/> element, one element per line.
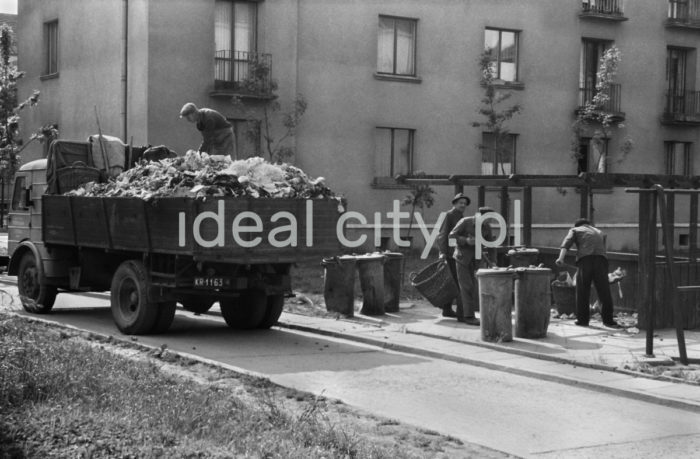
<point x="518" y="415"/>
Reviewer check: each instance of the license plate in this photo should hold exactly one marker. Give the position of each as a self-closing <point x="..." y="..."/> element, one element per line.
<point x="212" y="282"/>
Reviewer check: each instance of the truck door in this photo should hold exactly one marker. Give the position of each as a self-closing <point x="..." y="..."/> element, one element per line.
<point x="19" y="220"/>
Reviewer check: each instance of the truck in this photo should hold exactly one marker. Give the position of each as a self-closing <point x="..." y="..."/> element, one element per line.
<point x="152" y="254"/>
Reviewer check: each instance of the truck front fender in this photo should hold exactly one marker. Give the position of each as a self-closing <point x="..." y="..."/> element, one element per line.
<point x="22" y="248"/>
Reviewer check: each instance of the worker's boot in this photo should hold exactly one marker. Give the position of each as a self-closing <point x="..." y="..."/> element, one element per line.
<point x="447" y="311"/>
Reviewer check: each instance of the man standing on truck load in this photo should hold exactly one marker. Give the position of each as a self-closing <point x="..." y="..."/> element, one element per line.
<point x="217" y="133"/>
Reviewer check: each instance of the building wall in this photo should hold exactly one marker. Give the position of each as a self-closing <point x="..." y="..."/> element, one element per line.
<point x="326" y="50"/>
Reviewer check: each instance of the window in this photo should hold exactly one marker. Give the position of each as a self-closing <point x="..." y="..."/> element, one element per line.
<point x="592" y="155"/>
<point x="503" y="46"/>
<point x="592" y="51"/>
<point x="19" y="196"/>
<point x="497" y="154"/>
<point x="396" y="46"/>
<point x="684" y="10"/>
<point x="247" y="133"/>
<point x="234" y="39"/>
<point x="51" y="48"/>
<point x="393" y="153"/>
<point x="678" y="160"/>
<point x="676" y="70"/>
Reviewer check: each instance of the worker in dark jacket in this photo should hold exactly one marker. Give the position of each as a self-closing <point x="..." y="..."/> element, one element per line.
<point x="592" y="264"/>
<point x="459" y="205"/>
<point x="217" y="132"/>
<point x="467" y="264"/>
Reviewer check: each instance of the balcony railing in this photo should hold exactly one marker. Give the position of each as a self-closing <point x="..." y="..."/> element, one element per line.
<point x="684" y="13"/>
<point x="603" y="7"/>
<point x="612" y="106"/>
<point x="682" y="107"/>
<point x="244" y="73"/>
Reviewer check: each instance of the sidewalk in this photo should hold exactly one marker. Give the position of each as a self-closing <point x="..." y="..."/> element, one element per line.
<point x="593" y="357"/>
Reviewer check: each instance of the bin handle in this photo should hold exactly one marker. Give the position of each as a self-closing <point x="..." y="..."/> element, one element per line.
<point x="412" y="275"/>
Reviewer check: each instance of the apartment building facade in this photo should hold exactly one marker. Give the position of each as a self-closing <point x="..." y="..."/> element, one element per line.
<point x="393" y="87"/>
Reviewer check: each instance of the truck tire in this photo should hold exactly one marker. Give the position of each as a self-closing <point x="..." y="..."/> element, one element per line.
<point x="165" y="316"/>
<point x="245" y="312"/>
<point x="132" y="311"/>
<point x="35" y="296"/>
<point x="275" y="304"/>
<point x="197" y="304"/>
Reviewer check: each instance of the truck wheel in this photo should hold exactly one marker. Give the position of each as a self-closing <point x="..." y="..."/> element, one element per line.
<point x="275" y="304"/>
<point x="166" y="314"/>
<point x="245" y="312"/>
<point x="133" y="313"/>
<point x="35" y="297"/>
<point x="196" y="304"/>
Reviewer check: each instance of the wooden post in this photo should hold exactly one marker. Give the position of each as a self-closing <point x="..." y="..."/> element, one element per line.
<point x="505" y="210"/>
<point x="527" y="216"/>
<point x="646" y="267"/>
<point x="671" y="294"/>
<point x="481" y="199"/>
<point x="583" y="191"/>
<point x="693" y="230"/>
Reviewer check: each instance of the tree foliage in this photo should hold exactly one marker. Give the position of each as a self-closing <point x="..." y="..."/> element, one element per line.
<point x="11" y="144"/>
<point x="421" y="196"/>
<point x="595" y="118"/>
<point x="495" y="116"/>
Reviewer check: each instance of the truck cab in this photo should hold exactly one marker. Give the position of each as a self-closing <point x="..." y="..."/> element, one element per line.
<point x="24" y="220"/>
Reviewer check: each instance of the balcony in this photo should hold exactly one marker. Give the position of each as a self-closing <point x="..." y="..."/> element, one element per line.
<point x="610" y="107"/>
<point x="607" y="10"/>
<point x="684" y="14"/>
<point x="243" y="74"/>
<point x="682" y="108"/>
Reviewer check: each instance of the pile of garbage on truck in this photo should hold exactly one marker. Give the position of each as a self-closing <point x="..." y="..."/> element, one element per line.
<point x="199" y="175"/>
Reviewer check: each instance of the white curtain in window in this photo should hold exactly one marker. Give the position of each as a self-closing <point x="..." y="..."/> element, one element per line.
<point x="385" y="46"/>
<point x="382" y="152"/>
<point x="508" y="56"/>
<point x="402" y="151"/>
<point x="223" y="14"/>
<point x="244" y="16"/>
<point x="405" y="52"/>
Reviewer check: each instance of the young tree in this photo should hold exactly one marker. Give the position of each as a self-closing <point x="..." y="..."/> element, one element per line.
<point x="10" y="142"/>
<point x="496" y="118"/>
<point x="596" y="119"/>
<point x="421" y="196"/>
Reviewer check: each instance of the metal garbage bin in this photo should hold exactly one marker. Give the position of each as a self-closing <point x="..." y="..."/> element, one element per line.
<point x="371" y="269"/>
<point x="393" y="277"/>
<point x="532" y="302"/>
<point x="339" y="284"/>
<point x="522" y="257"/>
<point x="496" y="303"/>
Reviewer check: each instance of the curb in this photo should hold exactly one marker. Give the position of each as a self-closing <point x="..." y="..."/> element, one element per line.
<point x="632" y="394"/>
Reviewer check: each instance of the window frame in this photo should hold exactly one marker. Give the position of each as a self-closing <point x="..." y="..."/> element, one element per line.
<point x="413" y="58"/>
<point x="238" y="63"/>
<point x="670" y="157"/>
<point x="390" y="178"/>
<point x="242" y="130"/>
<point x="588" y="91"/>
<point x="496" y="164"/>
<point x="19" y="195"/>
<point x="51" y="48"/>
<point x="587" y="155"/>
<point x="497" y="73"/>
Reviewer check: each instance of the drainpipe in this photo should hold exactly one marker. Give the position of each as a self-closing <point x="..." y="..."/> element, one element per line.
<point x="125" y="68"/>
